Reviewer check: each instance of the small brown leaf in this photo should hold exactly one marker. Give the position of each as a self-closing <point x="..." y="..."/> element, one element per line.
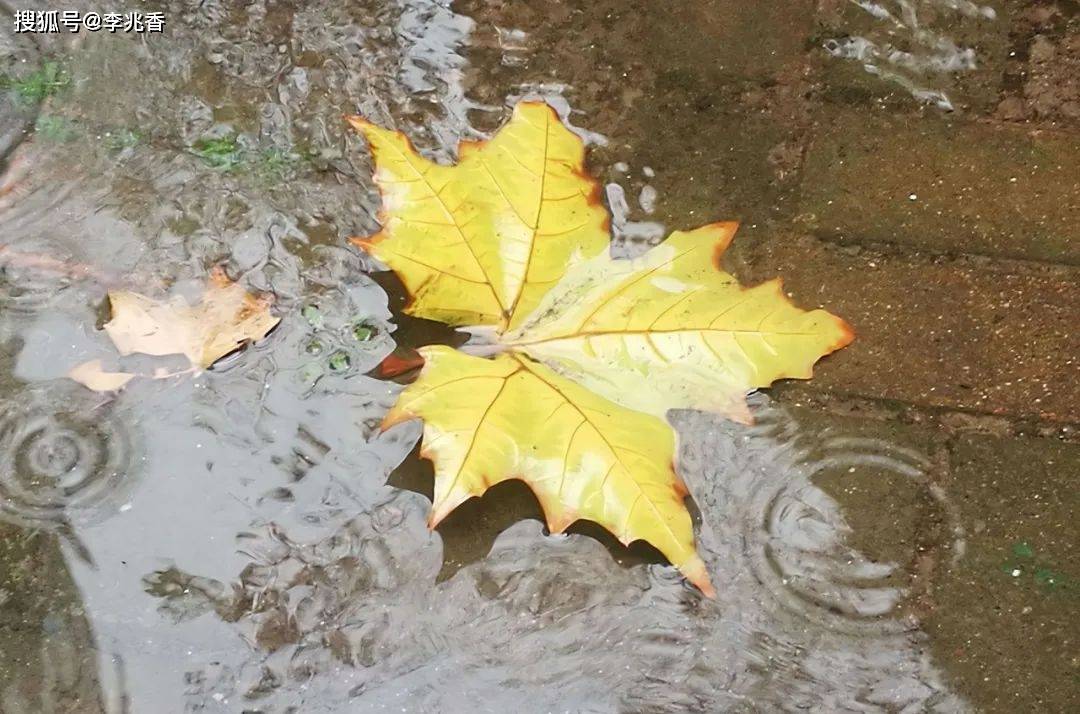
<point x="227" y="317"/>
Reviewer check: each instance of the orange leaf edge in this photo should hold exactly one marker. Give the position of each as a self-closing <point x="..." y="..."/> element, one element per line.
<point x="367" y="242"/>
<point x="847" y="335"/>
<point x="729" y="229"/>
<point x="695" y="572"/>
<point x="847" y="332"/>
<point x="360" y="125"/>
<point x="394" y="417"/>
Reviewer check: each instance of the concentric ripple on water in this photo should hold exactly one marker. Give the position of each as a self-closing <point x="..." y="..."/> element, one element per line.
<point x="59" y="462"/>
<point x="797" y="539"/>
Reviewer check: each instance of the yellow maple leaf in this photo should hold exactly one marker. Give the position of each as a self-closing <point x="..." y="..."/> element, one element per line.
<point x="480" y="243"/>
<point x="589" y="352"/>
<point x="671" y="330"/>
<point x="488" y="420"/>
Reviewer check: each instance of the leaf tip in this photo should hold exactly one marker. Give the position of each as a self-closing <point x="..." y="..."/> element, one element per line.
<point x="536" y="105"/>
<point x="357" y="122"/>
<point x="379" y="138"/>
<point x="92" y="375"/>
<point x="706" y="588"/>
<point x="442" y="509"/>
<point x="847" y="334"/>
<point x="366" y="242"/>
<point x="724" y="232"/>
<point x="694" y="571"/>
<point x="394" y="417"/>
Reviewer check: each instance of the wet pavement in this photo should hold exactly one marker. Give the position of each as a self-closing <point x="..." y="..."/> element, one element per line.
<point x="896" y="535"/>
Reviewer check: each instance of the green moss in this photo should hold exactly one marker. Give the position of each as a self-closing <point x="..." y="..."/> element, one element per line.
<point x="48" y="81"/>
<point x="310" y="373"/>
<point x="182" y="226"/>
<point x="54" y="128"/>
<point x="229" y="154"/>
<point x="363" y="332"/>
<point x="277" y="164"/>
<point x="1025" y="565"/>
<point x="222" y="154"/>
<point x="339" y="361"/>
<point x="312" y="315"/>
<point x="121" y="139"/>
<point x="1023" y="549"/>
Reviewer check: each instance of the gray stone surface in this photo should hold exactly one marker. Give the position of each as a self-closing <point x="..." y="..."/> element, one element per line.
<point x="943" y="185"/>
<point x="1005" y="615"/>
<point x="996" y="337"/>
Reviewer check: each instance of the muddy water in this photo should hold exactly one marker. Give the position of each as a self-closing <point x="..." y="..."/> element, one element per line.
<point x="247" y="540"/>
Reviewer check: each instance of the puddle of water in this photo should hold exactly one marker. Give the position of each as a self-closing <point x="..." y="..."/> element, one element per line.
<point x="230" y="542"/>
<point x="905" y="24"/>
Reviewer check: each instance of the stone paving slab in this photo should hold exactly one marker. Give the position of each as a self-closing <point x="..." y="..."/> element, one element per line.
<point x="944" y="185"/>
<point x="1009" y="607"/>
<point x="713" y="123"/>
<point x="995" y="337"/>
<point x="42" y="622"/>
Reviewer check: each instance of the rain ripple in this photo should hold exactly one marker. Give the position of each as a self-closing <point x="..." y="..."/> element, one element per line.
<point x="60" y="461"/>
<point x="803" y="620"/>
<point x="800" y="553"/>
